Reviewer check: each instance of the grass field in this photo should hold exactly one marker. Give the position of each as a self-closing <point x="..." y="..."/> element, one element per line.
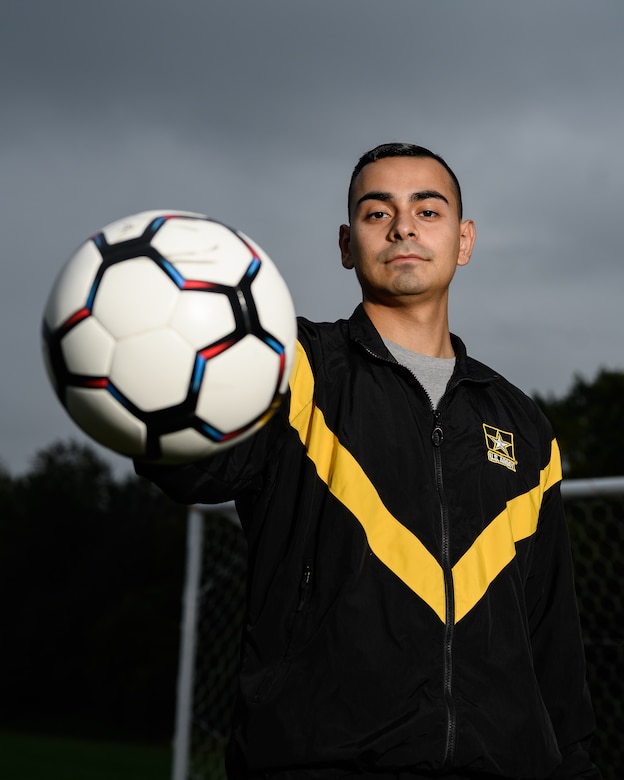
<point x="27" y="757"/>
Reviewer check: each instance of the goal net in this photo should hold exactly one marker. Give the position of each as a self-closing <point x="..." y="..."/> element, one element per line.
<point x="213" y="614"/>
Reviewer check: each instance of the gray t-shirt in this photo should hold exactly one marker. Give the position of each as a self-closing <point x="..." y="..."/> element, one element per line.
<point x="433" y="373"/>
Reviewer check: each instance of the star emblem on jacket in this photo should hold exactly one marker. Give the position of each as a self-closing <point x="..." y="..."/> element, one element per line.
<point x="500" y="446"/>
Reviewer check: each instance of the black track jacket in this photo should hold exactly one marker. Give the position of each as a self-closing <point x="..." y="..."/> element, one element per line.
<point x="411" y="604"/>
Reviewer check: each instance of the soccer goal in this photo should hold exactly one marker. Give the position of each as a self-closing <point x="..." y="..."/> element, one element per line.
<point x="213" y="614"/>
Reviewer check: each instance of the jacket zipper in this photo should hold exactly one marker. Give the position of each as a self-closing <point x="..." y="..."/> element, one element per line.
<point x="267" y="682"/>
<point x="437" y="435"/>
<point x="303" y="586"/>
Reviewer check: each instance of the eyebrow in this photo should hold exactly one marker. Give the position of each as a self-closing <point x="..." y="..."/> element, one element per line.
<point x="415" y="197"/>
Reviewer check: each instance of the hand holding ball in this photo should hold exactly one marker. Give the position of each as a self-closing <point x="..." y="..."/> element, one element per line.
<point x="169" y="336"/>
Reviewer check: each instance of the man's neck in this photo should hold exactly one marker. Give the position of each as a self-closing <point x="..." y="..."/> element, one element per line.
<point x="417" y="328"/>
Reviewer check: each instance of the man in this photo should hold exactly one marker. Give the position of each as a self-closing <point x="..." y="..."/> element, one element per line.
<point x="411" y="609"/>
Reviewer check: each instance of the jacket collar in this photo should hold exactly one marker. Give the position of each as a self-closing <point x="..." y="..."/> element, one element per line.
<point x="363" y="332"/>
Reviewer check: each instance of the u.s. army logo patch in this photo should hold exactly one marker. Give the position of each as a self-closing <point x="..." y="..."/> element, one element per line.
<point x="500" y="446"/>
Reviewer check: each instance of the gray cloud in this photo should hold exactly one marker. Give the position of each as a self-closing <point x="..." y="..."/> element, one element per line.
<point x="255" y="113"/>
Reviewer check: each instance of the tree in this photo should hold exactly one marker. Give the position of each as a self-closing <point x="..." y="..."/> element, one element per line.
<point x="589" y="425"/>
<point x="91" y="576"/>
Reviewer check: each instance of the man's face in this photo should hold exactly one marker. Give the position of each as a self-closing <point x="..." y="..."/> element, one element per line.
<point x="405" y="238"/>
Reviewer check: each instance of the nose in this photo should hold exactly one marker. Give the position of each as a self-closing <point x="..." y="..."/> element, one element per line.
<point x="404" y="226"/>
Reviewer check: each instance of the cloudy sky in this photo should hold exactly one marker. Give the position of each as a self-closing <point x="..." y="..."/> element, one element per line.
<point x="254" y="113"/>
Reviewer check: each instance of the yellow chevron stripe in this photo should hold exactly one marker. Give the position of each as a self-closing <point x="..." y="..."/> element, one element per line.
<point x="390" y="541"/>
<point x="495" y="546"/>
<point x="401" y="551"/>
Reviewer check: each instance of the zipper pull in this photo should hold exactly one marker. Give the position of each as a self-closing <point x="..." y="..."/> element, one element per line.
<point x="436" y="434"/>
<point x="303" y="586"/>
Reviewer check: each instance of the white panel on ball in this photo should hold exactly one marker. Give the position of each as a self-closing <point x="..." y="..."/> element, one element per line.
<point x="71" y="288"/>
<point x="202" y="318"/>
<point x="89" y="348"/>
<point x="187" y="445"/>
<point x="239" y="385"/>
<point x="97" y="412"/>
<point x="153" y="369"/>
<point x="134" y="297"/>
<point x="197" y="250"/>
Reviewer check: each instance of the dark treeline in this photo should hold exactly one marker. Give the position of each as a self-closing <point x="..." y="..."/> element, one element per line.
<point x="91" y="578"/>
<point x="92" y="574"/>
<point x="589" y="425"/>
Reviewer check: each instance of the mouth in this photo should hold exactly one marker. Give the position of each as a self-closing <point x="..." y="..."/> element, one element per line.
<point x="406" y="258"/>
<point x="409" y="252"/>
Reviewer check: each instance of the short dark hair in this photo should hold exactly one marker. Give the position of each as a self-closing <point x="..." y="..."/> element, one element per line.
<point x="402" y="150"/>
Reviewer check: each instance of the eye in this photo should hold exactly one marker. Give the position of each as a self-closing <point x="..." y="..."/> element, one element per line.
<point x="375" y="215"/>
<point x="428" y="213"/>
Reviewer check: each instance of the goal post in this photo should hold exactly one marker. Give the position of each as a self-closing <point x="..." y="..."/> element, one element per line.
<point x="186" y="716"/>
<point x="184" y="694"/>
<point x="213" y="615"/>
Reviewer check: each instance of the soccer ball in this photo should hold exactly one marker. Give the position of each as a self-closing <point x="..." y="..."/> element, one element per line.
<point x="169" y="336"/>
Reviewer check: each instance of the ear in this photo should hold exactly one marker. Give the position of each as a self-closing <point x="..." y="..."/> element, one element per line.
<point x="344" y="242"/>
<point x="467" y="236"/>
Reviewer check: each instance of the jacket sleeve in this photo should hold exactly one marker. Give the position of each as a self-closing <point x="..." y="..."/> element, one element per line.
<point x="576" y="765"/>
<point x="558" y="651"/>
<point x="227" y="476"/>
